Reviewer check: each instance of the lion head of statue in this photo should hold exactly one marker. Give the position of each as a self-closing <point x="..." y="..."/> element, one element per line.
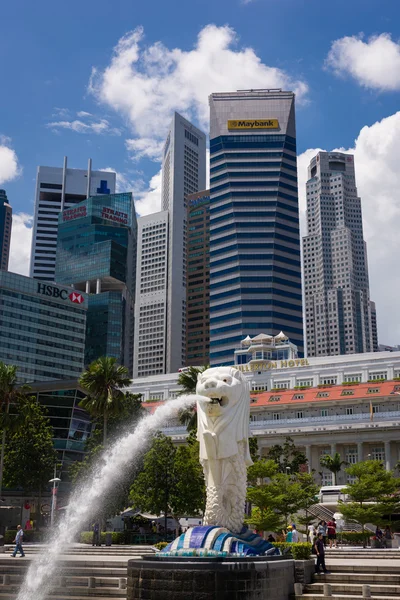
<point x="224" y="385"/>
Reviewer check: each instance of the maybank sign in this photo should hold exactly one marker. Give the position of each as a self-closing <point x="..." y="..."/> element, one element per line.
<point x="254" y="124"/>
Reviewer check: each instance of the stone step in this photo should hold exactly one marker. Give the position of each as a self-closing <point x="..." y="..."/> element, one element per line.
<point x="71" y="593"/>
<point x="340" y="577"/>
<point x="66" y="570"/>
<point x="354" y="589"/>
<point x="360" y="568"/>
<point x="335" y="597"/>
<point x="16" y="579"/>
<point x="12" y="595"/>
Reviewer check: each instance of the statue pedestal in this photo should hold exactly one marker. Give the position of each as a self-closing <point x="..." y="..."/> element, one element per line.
<point x="181" y="578"/>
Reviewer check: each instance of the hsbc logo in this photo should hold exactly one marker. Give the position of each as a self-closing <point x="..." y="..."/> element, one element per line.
<point x="55" y="292"/>
<point x="75" y="297"/>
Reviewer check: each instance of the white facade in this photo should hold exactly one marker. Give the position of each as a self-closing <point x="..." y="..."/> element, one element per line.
<point x="183" y="173"/>
<point x="338" y="316"/>
<point x="56" y="190"/>
<point x="288" y="374"/>
<point x="304" y="399"/>
<point x="149" y="356"/>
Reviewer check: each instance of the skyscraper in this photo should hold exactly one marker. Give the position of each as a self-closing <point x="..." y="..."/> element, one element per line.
<point x="96" y="253"/>
<point x="198" y="279"/>
<point x="183" y="172"/>
<point x="255" y="274"/>
<point x="58" y="189"/>
<point x="150" y="342"/>
<point x="337" y="304"/>
<point x="5" y="230"/>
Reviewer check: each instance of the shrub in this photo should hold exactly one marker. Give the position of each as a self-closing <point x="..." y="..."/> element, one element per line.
<point x="299" y="550"/>
<point x="355" y="537"/>
<point x="351" y="383"/>
<point x="29" y="536"/>
<point x="161" y="545"/>
<point x="377" y="380"/>
<point x="117" y="537"/>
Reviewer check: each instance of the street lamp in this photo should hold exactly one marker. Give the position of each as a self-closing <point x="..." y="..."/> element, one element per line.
<point x="54" y="481"/>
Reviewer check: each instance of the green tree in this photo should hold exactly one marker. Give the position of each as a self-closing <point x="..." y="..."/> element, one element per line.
<point x="188" y="380"/>
<point x="370" y="494"/>
<point x="11" y="395"/>
<point x="30" y="455"/>
<point x="171" y="480"/>
<point x="102" y="381"/>
<point x="288" y="457"/>
<point x="276" y="496"/>
<point x="333" y="463"/>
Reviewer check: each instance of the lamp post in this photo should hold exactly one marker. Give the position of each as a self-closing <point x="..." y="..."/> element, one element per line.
<point x="54" y="481"/>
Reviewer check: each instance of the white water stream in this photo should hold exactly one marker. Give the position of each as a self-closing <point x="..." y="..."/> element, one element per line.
<point x="84" y="502"/>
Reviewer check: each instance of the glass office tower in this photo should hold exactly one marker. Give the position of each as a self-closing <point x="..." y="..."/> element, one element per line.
<point x="255" y="274"/>
<point x="5" y="230"/>
<point x="96" y="253"/>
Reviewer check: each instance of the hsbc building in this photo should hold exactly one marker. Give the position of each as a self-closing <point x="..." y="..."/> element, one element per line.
<point x="42" y="328"/>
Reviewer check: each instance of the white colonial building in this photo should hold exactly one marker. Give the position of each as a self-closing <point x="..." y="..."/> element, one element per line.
<point x="348" y="403"/>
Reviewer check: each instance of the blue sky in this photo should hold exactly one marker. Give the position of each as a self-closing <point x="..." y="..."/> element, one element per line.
<point x="59" y="61"/>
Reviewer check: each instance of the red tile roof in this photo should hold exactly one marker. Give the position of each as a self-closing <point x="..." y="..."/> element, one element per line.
<point x="335" y="392"/>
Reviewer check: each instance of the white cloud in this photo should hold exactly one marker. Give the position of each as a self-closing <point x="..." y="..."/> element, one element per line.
<point x="145" y="148"/>
<point x="376" y="151"/>
<point x="149" y="200"/>
<point x="9" y="167"/>
<point x="373" y="64"/>
<point x="146" y="84"/>
<point x="97" y="126"/>
<point x="20" y="247"/>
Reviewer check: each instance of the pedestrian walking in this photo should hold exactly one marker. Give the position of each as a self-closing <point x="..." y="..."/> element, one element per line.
<point x="332" y="533"/>
<point x="320" y="551"/>
<point x="295" y="534"/>
<point x="18" y="542"/>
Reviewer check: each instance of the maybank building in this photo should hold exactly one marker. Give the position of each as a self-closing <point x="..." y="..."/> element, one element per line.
<point x="255" y="273"/>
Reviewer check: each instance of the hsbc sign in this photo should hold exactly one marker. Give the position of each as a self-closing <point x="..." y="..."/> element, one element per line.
<point x="76" y="297"/>
<point x="55" y="292"/>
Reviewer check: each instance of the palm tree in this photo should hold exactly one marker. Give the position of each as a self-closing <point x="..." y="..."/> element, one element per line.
<point x="188" y="380"/>
<point x="10" y="394"/>
<point x="102" y="382"/>
<point x="333" y="463"/>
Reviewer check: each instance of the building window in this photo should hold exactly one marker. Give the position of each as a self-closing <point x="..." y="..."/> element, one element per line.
<point x="305" y="383"/>
<point x="274" y="399"/>
<point x="349" y="410"/>
<point x="323" y="395"/>
<point x="324" y="412"/>
<point x="351" y="378"/>
<point x="276" y="416"/>
<point x="298" y="397"/>
<point x="299" y="414"/>
<point x="351" y="455"/>
<point x="378" y="376"/>
<point x="326" y="478"/>
<point x="329" y="380"/>
<point x="374" y="390"/>
<point x="159" y="396"/>
<point x="347" y="393"/>
<point x="378" y="453"/>
<point x="282" y="385"/>
<point x="375" y="409"/>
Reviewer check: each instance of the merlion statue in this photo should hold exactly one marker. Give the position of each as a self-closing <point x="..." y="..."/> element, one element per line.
<point x="223" y="433"/>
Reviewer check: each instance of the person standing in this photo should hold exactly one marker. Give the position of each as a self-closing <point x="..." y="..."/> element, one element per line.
<point x="320" y="551"/>
<point x="18" y="542"/>
<point x="295" y="535"/>
<point x="289" y="534"/>
<point x="96" y="534"/>
<point x="322" y="528"/>
<point x="311" y="533"/>
<point x="332" y="533"/>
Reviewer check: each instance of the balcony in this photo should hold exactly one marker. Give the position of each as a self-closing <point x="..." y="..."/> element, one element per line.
<point x="311" y="424"/>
